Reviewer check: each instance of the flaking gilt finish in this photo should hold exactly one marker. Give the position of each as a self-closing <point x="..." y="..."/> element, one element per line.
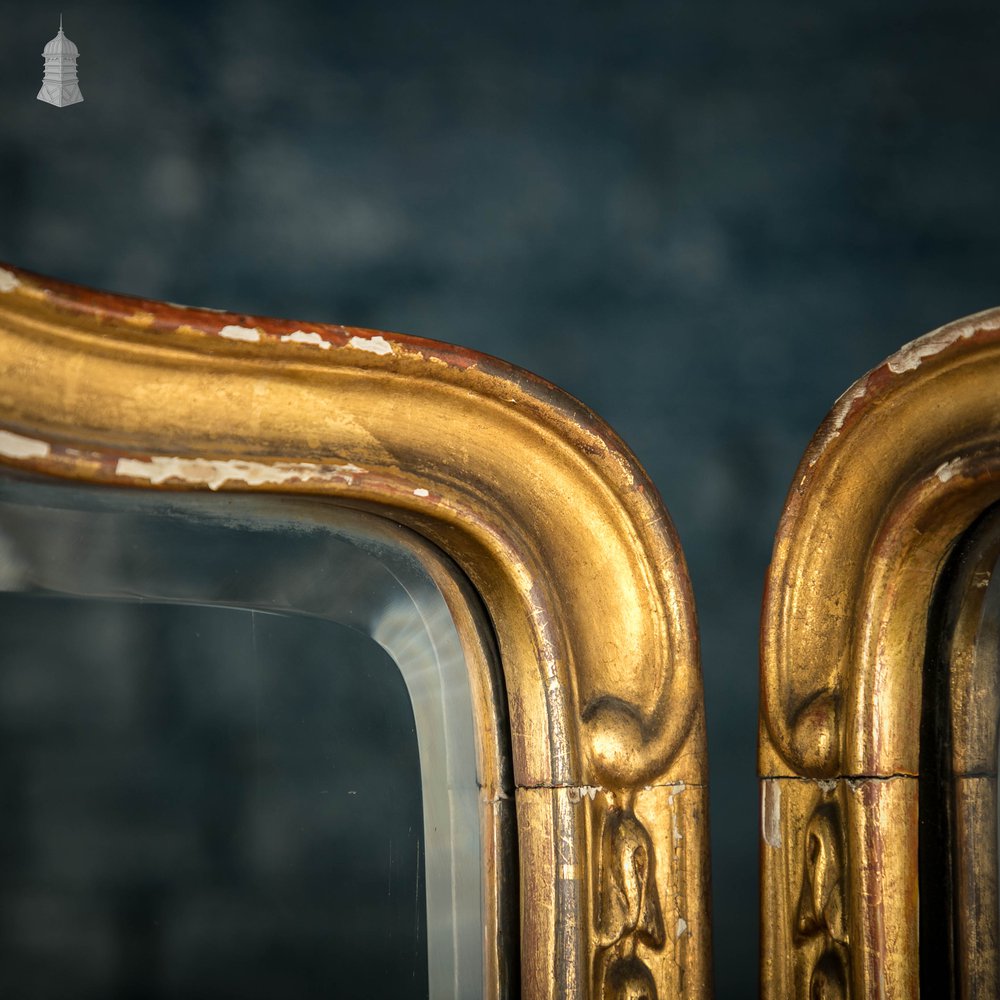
<point x="542" y="506"/>
<point x="907" y="459"/>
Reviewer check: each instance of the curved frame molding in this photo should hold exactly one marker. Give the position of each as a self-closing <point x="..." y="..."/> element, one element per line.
<point x="547" y="512"/>
<point x="906" y="461"/>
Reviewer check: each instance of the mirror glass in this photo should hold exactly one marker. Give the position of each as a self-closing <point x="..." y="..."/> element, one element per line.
<point x="959" y="901"/>
<point x="182" y="789"/>
<point x="236" y="753"/>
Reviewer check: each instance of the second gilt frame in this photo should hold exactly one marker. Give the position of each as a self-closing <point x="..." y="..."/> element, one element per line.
<point x="907" y="460"/>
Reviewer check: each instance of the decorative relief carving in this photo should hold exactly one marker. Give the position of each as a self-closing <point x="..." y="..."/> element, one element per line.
<point x="820" y="935"/>
<point x="905" y="463"/>
<point x="628" y="908"/>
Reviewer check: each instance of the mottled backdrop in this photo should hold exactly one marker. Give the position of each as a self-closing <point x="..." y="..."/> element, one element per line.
<point x="703" y="219"/>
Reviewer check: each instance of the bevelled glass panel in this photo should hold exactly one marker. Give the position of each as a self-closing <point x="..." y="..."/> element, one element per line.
<point x="210" y="785"/>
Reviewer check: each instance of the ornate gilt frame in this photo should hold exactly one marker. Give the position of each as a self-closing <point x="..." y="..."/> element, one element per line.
<point x="903" y="465"/>
<point x="558" y="528"/>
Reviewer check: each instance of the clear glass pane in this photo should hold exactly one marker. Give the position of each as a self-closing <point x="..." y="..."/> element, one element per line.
<point x="209" y="787"/>
<point x="203" y="802"/>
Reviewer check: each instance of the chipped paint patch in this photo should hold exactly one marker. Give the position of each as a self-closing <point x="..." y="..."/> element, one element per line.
<point x="18" y="446"/>
<point x="839" y="414"/>
<point x="770" y="812"/>
<point x="682" y="926"/>
<point x="375" y="345"/>
<point x="306" y="337"/>
<point x="846" y="402"/>
<point x="910" y="357"/>
<point x="140" y="318"/>
<point x="580" y="792"/>
<point x="214" y="474"/>
<point x="981" y="579"/>
<point x="8" y="280"/>
<point x="249" y="333"/>
<point x="671" y="795"/>
<point x="828" y="785"/>
<point x="421" y="493"/>
<point x="948" y="470"/>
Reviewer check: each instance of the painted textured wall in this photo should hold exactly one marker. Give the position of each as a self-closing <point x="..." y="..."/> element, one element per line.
<point x="703" y="219"/>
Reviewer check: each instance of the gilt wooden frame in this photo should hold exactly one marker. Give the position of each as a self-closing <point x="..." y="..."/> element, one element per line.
<point x="558" y="528"/>
<point x="903" y="465"/>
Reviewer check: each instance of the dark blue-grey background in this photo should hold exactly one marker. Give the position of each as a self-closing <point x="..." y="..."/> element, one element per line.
<point x="703" y="219"/>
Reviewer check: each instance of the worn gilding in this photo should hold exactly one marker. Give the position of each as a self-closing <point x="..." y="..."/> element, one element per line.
<point x="543" y="507"/>
<point x="906" y="461"/>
